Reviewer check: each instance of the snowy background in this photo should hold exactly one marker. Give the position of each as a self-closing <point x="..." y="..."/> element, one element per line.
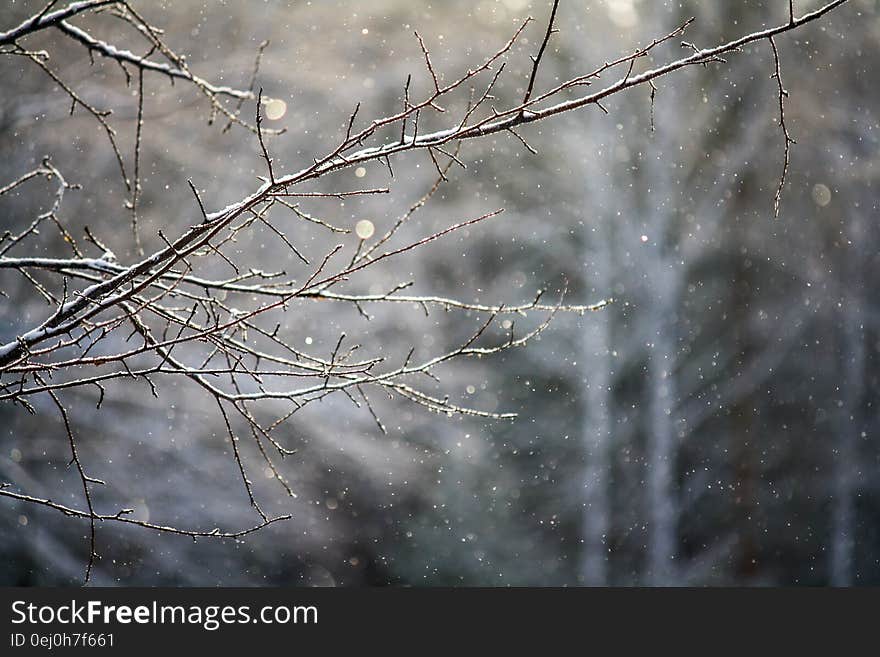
<point x="717" y="424"/>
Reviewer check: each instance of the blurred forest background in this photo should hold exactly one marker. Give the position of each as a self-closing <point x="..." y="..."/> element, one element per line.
<point x="716" y="425"/>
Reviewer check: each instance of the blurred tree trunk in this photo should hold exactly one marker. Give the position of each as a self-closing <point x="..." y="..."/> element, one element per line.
<point x="845" y="466"/>
<point x="661" y="443"/>
<point x="742" y="414"/>
<point x="596" y="435"/>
